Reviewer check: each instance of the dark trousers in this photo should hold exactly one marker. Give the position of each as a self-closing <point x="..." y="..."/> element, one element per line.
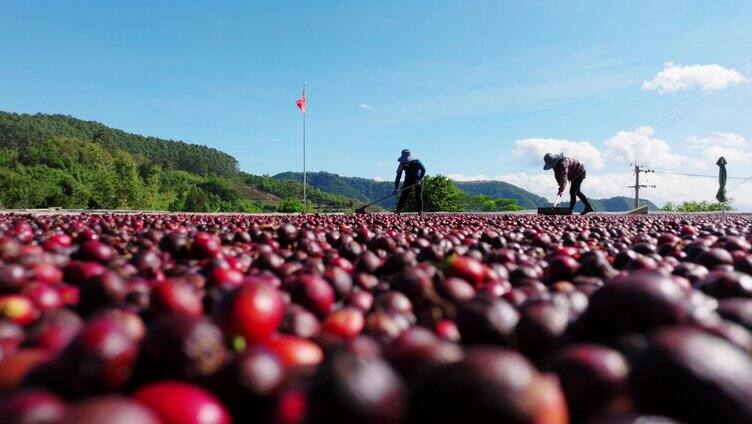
<point x="574" y="193"/>
<point x="418" y="188"/>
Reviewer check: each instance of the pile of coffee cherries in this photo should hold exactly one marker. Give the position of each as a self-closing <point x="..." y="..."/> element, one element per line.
<point x="444" y="318"/>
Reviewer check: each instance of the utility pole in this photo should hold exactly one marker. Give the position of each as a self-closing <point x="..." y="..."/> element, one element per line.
<point x="305" y="183"/>
<point x="637" y="171"/>
<point x="301" y="103"/>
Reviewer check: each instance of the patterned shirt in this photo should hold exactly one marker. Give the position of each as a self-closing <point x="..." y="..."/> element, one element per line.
<point x="568" y="169"/>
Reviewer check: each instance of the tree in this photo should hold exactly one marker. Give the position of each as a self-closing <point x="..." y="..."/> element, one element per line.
<point x="669" y="207"/>
<point x="440" y="194"/>
<point x="507" y="205"/>
<point x="483" y="203"/>
<point x="130" y="186"/>
<point x="290" y="205"/>
<point x="703" y="206"/>
<point x="199" y="201"/>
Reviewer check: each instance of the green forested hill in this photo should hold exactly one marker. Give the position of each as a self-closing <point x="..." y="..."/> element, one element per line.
<point x="18" y="131"/>
<point x="363" y="189"/>
<point x="500" y="189"/>
<point x="60" y="161"/>
<point x="71" y="173"/>
<point x="294" y="190"/>
<point x="369" y="190"/>
<point x="616" y="204"/>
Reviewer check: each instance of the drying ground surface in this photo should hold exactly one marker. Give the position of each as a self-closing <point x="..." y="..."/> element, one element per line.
<point x="375" y="318"/>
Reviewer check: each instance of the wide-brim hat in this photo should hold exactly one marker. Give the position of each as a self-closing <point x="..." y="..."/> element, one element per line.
<point x="405" y="157"/>
<point x="550" y="160"/>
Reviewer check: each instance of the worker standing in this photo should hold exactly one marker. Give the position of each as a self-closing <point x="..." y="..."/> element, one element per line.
<point x="414" y="173"/>
<point x="572" y="171"/>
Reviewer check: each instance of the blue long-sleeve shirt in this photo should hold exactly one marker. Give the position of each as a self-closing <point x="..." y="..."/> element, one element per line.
<point x="414" y="171"/>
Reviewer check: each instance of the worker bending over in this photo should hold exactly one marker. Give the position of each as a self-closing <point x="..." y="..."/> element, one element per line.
<point x="414" y="173"/>
<point x="572" y="170"/>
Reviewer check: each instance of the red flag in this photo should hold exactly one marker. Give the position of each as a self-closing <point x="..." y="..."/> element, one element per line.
<point x="301" y="102"/>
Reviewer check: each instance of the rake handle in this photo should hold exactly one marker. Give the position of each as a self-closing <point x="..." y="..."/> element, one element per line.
<point x="362" y="208"/>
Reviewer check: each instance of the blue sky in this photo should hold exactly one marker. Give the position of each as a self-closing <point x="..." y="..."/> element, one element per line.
<point x="476" y="89"/>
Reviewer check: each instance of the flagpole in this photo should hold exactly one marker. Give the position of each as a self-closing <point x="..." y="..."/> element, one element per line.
<point x="305" y="181"/>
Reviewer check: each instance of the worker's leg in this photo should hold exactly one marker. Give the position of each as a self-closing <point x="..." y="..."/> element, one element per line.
<point x="574" y="187"/>
<point x="584" y="200"/>
<point x="402" y="200"/>
<point x="581" y="195"/>
<point x="419" y="197"/>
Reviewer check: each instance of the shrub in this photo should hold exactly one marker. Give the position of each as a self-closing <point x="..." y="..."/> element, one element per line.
<point x="290" y="205"/>
<point x="703" y="206"/>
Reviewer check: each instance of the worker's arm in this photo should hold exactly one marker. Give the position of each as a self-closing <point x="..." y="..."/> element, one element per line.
<point x="397" y="180"/>
<point x="561" y="177"/>
<point x="421" y="171"/>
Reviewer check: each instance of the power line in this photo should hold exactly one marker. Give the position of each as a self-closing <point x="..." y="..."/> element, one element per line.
<point x="680" y="110"/>
<point x="687" y="112"/>
<point x="695" y="99"/>
<point x="750" y="178"/>
<point x="671" y="109"/>
<point x="697" y="175"/>
<point x="693" y="95"/>
<point x="692" y="105"/>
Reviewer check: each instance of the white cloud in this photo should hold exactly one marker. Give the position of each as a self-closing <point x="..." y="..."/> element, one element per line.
<point x="722" y="139"/>
<point x="365" y="106"/>
<point x="669" y="188"/>
<point x="642" y="146"/>
<point x="675" y="78"/>
<point x="734" y="147"/>
<point x="598" y="186"/>
<point x="544" y="183"/>
<point x="463" y="177"/>
<point x="533" y="149"/>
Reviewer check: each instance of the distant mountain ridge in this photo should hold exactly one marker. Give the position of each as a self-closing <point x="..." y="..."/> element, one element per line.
<point x="368" y="190"/>
<point x="502" y="190"/>
<point x="363" y="189"/>
<point x="19" y="131"/>
<point x="61" y="161"/>
<point x="58" y="160"/>
<point x="615" y="204"/>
